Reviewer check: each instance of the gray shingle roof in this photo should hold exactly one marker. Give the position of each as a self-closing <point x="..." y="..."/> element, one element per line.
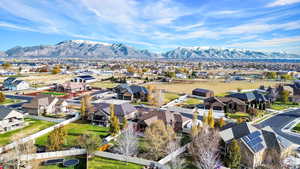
<point x="4" y="111"/>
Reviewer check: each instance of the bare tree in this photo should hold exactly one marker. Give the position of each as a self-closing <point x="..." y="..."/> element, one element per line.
<point x="176" y="162"/>
<point x="204" y="148"/>
<point x="274" y="160"/>
<point x="127" y="143"/>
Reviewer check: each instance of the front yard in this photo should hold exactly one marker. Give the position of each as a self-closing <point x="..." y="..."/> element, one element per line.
<point x="296" y="128"/>
<point x="74" y="130"/>
<point x="104" y="163"/>
<point x="170" y="96"/>
<point x="237" y="115"/>
<point x="9" y="101"/>
<point x="282" y="106"/>
<point x="33" y="127"/>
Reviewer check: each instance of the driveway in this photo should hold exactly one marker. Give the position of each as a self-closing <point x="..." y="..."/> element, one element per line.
<point x="278" y="121"/>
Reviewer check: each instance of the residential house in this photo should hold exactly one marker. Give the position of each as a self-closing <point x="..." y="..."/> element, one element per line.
<point x="181" y="76"/>
<point x="13" y="83"/>
<point x="255" y="99"/>
<point x="255" y="143"/>
<point x="10" y="119"/>
<point x="122" y="109"/>
<point x="227" y="104"/>
<point x="203" y="92"/>
<point x="132" y="92"/>
<point x="71" y="87"/>
<point x="83" y="79"/>
<point x="296" y="91"/>
<point x="145" y="117"/>
<point x="45" y="104"/>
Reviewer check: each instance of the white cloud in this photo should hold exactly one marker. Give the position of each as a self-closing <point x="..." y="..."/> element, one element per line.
<point x="189" y="27"/>
<point x="282" y="2"/>
<point x="275" y="42"/>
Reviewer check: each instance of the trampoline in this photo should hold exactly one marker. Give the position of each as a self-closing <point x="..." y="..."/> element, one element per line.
<point x="71" y="162"/>
<point x="54" y="161"/>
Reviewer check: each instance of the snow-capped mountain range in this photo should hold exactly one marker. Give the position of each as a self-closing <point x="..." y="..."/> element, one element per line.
<point x="92" y="49"/>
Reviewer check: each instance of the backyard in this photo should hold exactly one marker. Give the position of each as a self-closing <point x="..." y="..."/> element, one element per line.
<point x="54" y="93"/>
<point x="74" y="130"/>
<point x="104" y="163"/>
<point x="216" y="85"/>
<point x="33" y="127"/>
<point x="81" y="165"/>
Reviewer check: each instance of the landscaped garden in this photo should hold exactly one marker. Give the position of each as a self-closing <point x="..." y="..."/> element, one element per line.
<point x="104" y="163"/>
<point x="74" y="130"/>
<point x="238" y="115"/>
<point x="33" y="127"/>
<point x="297" y="128"/>
<point x="282" y="106"/>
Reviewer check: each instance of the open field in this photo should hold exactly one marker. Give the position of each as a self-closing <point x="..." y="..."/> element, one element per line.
<point x="282" y="106"/>
<point x="297" y="128"/>
<point x="81" y="165"/>
<point x="74" y="130"/>
<point x="33" y="127"/>
<point x="104" y="163"/>
<point x="105" y="84"/>
<point x="217" y="85"/>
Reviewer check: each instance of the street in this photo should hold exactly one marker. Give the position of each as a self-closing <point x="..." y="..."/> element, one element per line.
<point x="278" y="121"/>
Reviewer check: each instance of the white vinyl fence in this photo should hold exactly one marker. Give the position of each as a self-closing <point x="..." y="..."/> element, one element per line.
<point x="129" y="159"/>
<point x="54" y="154"/>
<point x="38" y="134"/>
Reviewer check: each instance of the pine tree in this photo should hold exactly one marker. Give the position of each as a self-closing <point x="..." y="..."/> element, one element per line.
<point x="233" y="156"/>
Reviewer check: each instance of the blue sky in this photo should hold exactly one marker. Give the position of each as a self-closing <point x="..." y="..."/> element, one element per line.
<point x="157" y="25"/>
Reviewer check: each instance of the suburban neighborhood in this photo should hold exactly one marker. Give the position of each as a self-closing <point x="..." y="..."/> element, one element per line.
<point x="80" y="117"/>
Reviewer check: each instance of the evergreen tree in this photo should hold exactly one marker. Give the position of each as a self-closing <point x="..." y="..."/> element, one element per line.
<point x="233" y="156"/>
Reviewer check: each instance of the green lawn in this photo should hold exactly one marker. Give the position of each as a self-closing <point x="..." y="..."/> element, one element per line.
<point x="54" y="93"/>
<point x="282" y="106"/>
<point x="74" y="130"/>
<point x="105" y="84"/>
<point x="104" y="163"/>
<point x="237" y="115"/>
<point x="193" y="101"/>
<point x="81" y="165"/>
<point x="33" y="127"/>
<point x="9" y="101"/>
<point x="170" y="96"/>
<point x="297" y="128"/>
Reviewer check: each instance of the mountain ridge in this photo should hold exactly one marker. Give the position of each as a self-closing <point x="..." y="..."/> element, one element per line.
<point x="94" y="49"/>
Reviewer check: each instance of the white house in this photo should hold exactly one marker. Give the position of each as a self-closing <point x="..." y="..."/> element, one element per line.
<point x="84" y="79"/>
<point x="10" y="119"/>
<point x="13" y="83"/>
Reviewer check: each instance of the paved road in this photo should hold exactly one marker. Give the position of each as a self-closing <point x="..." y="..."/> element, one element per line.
<point x="26" y="99"/>
<point x="278" y="121"/>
